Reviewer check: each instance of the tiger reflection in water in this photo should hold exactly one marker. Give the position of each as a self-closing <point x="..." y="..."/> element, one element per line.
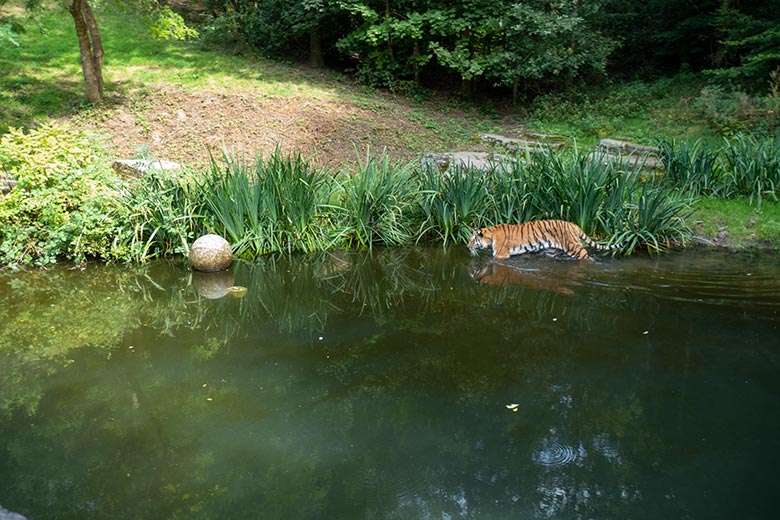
<point x="500" y="273"/>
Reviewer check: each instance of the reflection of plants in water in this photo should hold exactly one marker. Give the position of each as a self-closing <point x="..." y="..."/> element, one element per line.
<point x="357" y="422"/>
<point x="378" y="282"/>
<point x="45" y="316"/>
<point x="285" y="291"/>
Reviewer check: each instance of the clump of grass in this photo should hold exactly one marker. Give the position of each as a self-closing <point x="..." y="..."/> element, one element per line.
<point x="752" y="167"/>
<point x="377" y="203"/>
<point x="691" y="167"/>
<point x="657" y="219"/>
<point x="509" y="192"/>
<point x="454" y="202"/>
<point x="163" y="213"/>
<point x="276" y="204"/>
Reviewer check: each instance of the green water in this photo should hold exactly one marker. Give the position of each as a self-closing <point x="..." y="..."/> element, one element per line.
<point x="376" y="386"/>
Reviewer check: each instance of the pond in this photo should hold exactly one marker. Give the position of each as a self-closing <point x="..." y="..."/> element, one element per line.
<point x="408" y="383"/>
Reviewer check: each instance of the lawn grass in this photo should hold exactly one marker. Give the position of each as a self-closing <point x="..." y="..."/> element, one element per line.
<point x="41" y="78"/>
<point x="736" y="223"/>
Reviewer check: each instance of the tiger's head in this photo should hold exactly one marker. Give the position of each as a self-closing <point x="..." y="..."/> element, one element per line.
<point x="480" y="239"/>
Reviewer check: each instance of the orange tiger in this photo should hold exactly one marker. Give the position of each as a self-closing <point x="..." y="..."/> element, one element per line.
<point x="537" y="235"/>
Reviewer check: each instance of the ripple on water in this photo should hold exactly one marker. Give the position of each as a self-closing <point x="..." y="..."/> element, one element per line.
<point x="409" y="481"/>
<point x="550" y="452"/>
<point x="752" y="288"/>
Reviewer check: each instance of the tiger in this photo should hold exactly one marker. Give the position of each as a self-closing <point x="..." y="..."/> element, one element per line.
<point x="536" y="235"/>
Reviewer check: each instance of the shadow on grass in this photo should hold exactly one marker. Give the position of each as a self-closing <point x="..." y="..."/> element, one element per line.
<point x="28" y="100"/>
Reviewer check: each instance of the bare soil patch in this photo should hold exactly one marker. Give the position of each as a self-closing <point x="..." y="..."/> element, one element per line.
<point x="186" y="126"/>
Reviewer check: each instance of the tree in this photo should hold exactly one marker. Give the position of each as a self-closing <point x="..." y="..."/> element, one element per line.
<point x="545" y="43"/>
<point x="388" y="40"/>
<point x="163" y="24"/>
<point x="90" y="48"/>
<point x="751" y="45"/>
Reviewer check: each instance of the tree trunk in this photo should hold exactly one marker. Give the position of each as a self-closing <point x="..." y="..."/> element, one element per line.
<point x="90" y="48"/>
<point x="315" y="48"/>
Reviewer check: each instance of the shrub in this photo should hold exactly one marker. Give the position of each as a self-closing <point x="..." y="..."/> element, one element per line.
<point x="691" y="168"/>
<point x="65" y="202"/>
<point x="734" y="111"/>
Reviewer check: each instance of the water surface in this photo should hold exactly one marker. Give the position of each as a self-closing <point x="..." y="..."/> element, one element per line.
<point x="408" y="383"/>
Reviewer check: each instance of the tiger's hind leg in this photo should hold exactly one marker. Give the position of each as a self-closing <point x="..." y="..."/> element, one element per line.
<point x="578" y="252"/>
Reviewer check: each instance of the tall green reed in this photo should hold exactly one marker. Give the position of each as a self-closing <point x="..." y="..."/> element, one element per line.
<point x="453" y="202"/>
<point x="377" y="203"/>
<point x="509" y="184"/>
<point x="657" y="219"/>
<point x="163" y="214"/>
<point x="752" y="167"/>
<point x="235" y="202"/>
<point x="275" y="204"/>
<point x="691" y="167"/>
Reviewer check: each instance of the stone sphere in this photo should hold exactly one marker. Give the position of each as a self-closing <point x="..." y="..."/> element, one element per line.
<point x="211" y="253"/>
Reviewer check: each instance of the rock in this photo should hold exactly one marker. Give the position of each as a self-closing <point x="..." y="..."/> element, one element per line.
<point x="211" y="253"/>
<point x="8" y="515"/>
<point x="528" y="142"/>
<point x="7" y="183"/>
<point x="477" y="160"/>
<point x="137" y="167"/>
<point x="619" y="147"/>
<point x="213" y="285"/>
<point x="631" y="155"/>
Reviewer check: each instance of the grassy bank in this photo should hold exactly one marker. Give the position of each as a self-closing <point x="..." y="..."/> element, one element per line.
<point x="180" y="101"/>
<point x="736" y="224"/>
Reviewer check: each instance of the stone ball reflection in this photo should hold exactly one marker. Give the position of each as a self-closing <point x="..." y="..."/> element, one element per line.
<point x="213" y="285"/>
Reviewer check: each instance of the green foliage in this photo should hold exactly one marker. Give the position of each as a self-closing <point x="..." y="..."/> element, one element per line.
<point x="732" y="111"/>
<point x="752" y="167"/>
<point x="276" y="204"/>
<point x="8" y="35"/>
<point x="388" y="45"/>
<point x="595" y="193"/>
<point x="65" y="202"/>
<point x="511" y="188"/>
<point x="377" y="203"/>
<point x="751" y="46"/>
<point x="657" y="219"/>
<point x="161" y="216"/>
<point x="691" y="167"/>
<point x="391" y="44"/>
<point x="453" y="202"/>
<point x="164" y="24"/>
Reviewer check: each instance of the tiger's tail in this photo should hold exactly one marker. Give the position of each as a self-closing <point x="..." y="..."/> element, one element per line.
<point x="592" y="243"/>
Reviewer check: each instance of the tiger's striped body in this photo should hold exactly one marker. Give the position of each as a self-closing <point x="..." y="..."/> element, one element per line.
<point x="537" y="235"/>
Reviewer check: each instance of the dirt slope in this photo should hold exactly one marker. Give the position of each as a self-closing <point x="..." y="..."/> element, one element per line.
<point x="184" y="125"/>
